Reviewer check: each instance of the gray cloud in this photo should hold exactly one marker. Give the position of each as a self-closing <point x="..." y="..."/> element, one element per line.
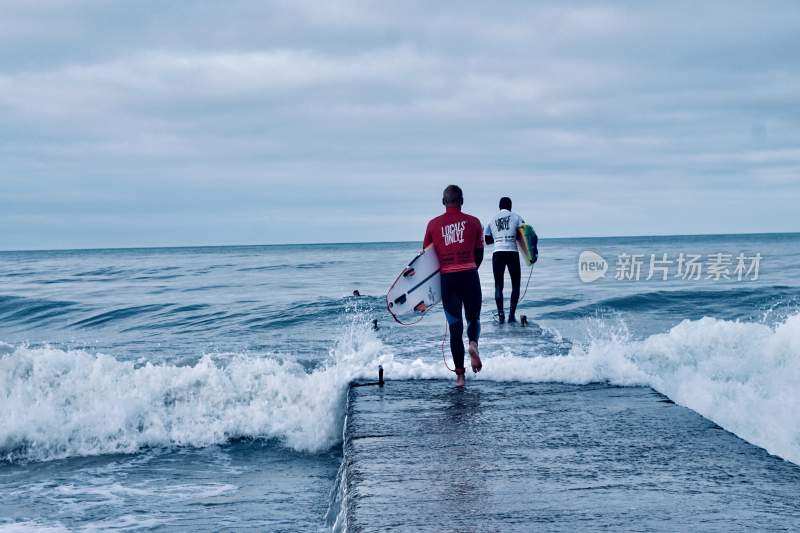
<point x="198" y="122"/>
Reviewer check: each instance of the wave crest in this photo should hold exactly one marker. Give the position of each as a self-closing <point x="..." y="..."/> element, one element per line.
<point x="64" y="403"/>
<point x="743" y="376"/>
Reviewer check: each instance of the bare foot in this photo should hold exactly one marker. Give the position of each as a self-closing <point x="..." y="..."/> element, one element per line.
<point x="460" y="381"/>
<point x="474" y="358"/>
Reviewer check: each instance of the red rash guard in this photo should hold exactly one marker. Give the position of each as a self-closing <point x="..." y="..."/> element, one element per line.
<point x="455" y="235"/>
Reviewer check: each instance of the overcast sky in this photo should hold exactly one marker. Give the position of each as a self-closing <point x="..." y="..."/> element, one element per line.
<point x="185" y="123"/>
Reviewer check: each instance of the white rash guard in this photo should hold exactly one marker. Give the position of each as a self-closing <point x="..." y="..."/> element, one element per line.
<point x="503" y="229"/>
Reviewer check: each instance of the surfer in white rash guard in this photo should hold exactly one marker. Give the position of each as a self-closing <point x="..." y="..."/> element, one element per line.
<point x="458" y="240"/>
<point x="502" y="232"/>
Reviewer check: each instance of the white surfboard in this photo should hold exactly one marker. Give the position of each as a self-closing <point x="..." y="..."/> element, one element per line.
<point x="416" y="289"/>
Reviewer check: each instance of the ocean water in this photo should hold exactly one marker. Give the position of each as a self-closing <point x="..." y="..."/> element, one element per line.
<point x="205" y="388"/>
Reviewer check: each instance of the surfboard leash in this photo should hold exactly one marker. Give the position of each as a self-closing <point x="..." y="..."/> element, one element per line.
<point x="530" y="275"/>
<point x="444" y="357"/>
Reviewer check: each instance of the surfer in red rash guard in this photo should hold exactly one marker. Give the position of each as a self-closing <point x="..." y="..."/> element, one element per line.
<point x="458" y="240"/>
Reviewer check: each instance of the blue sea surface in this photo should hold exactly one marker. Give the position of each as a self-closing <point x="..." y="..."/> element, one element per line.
<point x="205" y="388"/>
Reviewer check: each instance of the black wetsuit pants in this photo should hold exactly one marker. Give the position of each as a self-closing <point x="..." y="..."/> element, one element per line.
<point x="462" y="289"/>
<point x="501" y="260"/>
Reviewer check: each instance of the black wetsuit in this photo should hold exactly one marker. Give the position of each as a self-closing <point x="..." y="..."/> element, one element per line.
<point x="458" y="240"/>
<point x="462" y="288"/>
<point x="501" y="260"/>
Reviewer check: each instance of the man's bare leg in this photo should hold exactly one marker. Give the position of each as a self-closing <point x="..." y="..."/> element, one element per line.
<point x="460" y="381"/>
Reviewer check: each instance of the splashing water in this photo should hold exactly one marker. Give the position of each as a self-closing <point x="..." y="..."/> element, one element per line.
<point x="743" y="376"/>
<point x="64" y="403"/>
<point x="60" y="403"/>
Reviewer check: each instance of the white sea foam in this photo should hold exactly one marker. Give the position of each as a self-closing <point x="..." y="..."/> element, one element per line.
<point x="63" y="403"/>
<point x="28" y="527"/>
<point x="743" y="376"/>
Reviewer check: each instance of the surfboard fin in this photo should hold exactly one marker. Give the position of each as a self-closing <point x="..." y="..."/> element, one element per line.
<point x="420" y="307"/>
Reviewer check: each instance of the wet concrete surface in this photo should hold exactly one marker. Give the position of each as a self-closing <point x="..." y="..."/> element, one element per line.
<point x="425" y="456"/>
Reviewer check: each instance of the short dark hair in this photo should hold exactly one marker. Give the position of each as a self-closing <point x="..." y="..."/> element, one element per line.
<point x="505" y="203"/>
<point x="452" y="195"/>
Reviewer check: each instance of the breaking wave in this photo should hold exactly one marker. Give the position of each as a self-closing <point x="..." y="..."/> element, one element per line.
<point x="61" y="403"/>
<point x="743" y="376"/>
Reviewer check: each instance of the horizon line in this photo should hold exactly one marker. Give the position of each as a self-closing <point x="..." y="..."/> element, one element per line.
<point x="189" y="246"/>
